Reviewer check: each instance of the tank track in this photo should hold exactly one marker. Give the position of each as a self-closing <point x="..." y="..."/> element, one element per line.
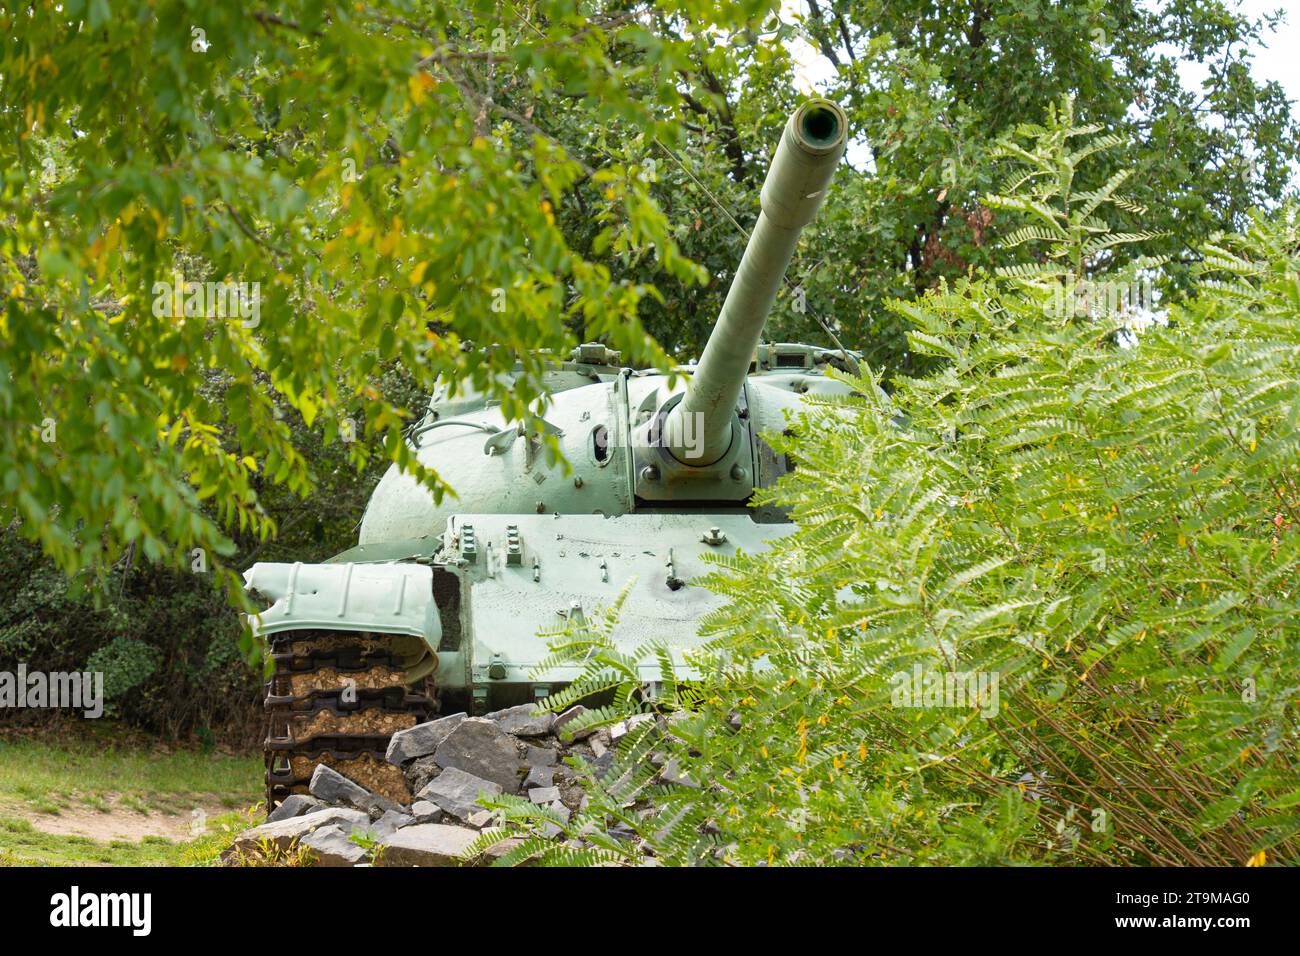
<point x="335" y="698"/>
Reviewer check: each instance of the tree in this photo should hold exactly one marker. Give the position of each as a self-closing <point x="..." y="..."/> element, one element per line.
<point x="930" y="88"/>
<point x="217" y="220"/>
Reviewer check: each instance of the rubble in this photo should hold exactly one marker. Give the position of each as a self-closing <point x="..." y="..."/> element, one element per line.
<point x="540" y="756"/>
<point x="421" y="739"/>
<point x="331" y="846"/>
<point x="523" y="722"/>
<point x="426" y="812"/>
<point x="283" y="834"/>
<point x="450" y="764"/>
<point x="420" y="771"/>
<point x="457" y="792"/>
<point x="390" y="823"/>
<point x="330" y="786"/>
<point x="295" y="805"/>
<point x="566" y="718"/>
<point x="479" y="746"/>
<point x="426" y="844"/>
<point x="540" y="777"/>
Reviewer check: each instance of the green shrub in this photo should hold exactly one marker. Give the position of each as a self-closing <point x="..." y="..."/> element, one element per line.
<point x="1106" y="523"/>
<point x="126" y="664"/>
<point x="167" y="643"/>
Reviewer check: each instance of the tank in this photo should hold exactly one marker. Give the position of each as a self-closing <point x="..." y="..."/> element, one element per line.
<point x="439" y="605"/>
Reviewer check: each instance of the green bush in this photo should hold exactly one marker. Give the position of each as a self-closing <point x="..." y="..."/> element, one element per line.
<point x="126" y="664"/>
<point x="1104" y="521"/>
<point x="166" y="642"/>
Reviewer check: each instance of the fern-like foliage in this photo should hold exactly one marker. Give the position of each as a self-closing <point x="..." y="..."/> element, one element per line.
<point x="1041" y="605"/>
<point x="1065" y="225"/>
<point x="1113" y="533"/>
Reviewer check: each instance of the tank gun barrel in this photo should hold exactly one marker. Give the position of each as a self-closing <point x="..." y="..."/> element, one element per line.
<point x="801" y="170"/>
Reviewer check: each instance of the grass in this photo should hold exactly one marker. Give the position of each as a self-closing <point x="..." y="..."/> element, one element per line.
<point x="103" y="769"/>
<point x="51" y="775"/>
<point x="21" y="844"/>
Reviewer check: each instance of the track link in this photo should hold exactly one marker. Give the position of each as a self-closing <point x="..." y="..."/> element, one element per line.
<point x="335" y="698"/>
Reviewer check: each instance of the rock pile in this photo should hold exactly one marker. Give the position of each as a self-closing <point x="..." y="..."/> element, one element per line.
<point x="448" y="764"/>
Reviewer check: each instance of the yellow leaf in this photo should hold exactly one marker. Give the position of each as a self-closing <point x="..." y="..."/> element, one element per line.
<point x="387" y="244"/>
<point x="1259" y="859"/>
<point x="416" y="89"/>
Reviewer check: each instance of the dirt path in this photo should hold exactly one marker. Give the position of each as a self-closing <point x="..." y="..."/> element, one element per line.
<point x="118" y="822"/>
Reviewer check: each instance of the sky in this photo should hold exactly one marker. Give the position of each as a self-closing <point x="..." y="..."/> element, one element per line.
<point x="1278" y="60"/>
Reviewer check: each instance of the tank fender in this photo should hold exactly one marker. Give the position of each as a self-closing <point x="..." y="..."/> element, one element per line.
<point x="386" y="598"/>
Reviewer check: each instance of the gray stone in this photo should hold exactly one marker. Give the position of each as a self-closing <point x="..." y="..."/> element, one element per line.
<point x="457" y="792"/>
<point x="621" y="831"/>
<point x="334" y="788"/>
<point x="497" y="850"/>
<point x="624" y="727"/>
<point x="282" y="834"/>
<point x="330" y="846"/>
<point x="294" y="805"/>
<point x="391" y="822"/>
<point x="480" y="818"/>
<point x="577" y="710"/>
<point x="522" y="722"/>
<point x="544" y="794"/>
<point x="603" y="764"/>
<point x="419" y="772"/>
<point x="540" y="756"/>
<point x="572" y="795"/>
<point x="672" y="773"/>
<point x="540" y="777"/>
<point x="561" y="811"/>
<point x="426" y="844"/>
<point x="480" y="747"/>
<point x="421" y="739"/>
<point x="597" y="747"/>
<point x="426" y="812"/>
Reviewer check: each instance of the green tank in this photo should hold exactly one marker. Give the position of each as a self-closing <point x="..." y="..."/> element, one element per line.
<point x="440" y="604"/>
